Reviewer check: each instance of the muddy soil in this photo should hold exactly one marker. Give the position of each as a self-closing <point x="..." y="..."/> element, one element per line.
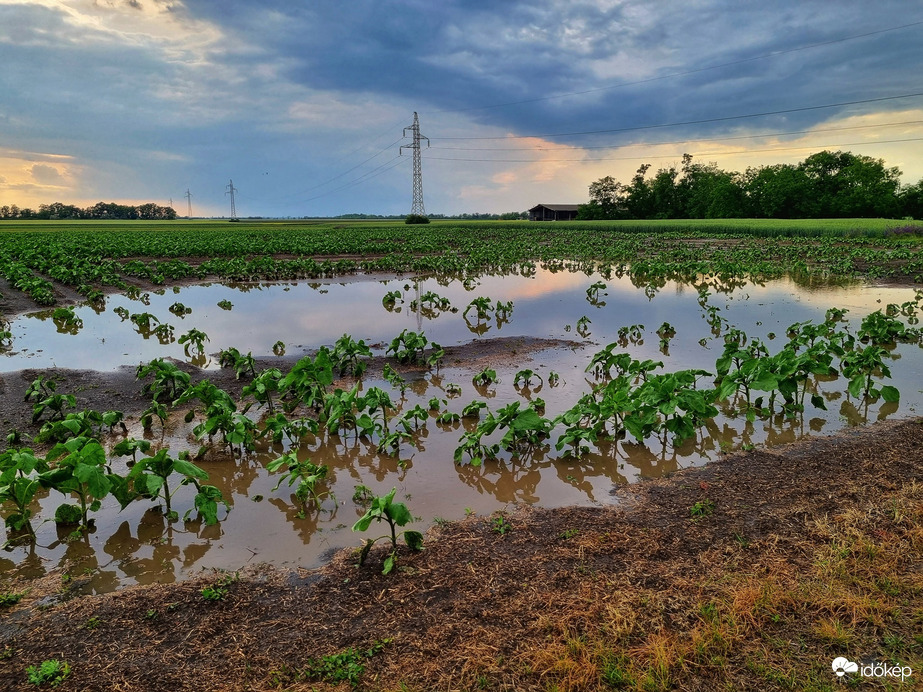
<point x="477" y="608"/>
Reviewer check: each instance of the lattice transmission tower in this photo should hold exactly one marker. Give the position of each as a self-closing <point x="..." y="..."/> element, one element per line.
<point x="231" y="191"/>
<point x="188" y="197"/>
<point x="417" y="207"/>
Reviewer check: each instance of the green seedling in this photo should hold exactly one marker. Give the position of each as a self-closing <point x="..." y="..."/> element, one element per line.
<point x="347" y="354"/>
<point x="485" y="377"/>
<point x="150" y="477"/>
<point x="221" y="588"/>
<point x="168" y="380"/>
<point x="396" y="514"/>
<point x="500" y="525"/>
<point x="701" y="509"/>
<point x="50" y="672"/>
<point x="193" y="340"/>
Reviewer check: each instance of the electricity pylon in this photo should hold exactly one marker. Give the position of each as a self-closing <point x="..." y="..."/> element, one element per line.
<point x="417" y="207"/>
<point x="231" y="191"/>
<point x="188" y="204"/>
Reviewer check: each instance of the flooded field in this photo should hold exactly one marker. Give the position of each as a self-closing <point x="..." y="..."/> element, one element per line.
<point x="684" y="327"/>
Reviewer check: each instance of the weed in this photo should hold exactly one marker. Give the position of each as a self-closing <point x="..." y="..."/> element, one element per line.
<point x="347" y="666"/>
<point x="220" y="589"/>
<point x="500" y="525"/>
<point x="51" y="672"/>
<point x="10" y="598"/>
<point x="702" y="508"/>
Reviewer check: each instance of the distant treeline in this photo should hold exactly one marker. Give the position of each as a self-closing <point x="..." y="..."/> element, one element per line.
<point x="823" y="186"/>
<point x="100" y="210"/>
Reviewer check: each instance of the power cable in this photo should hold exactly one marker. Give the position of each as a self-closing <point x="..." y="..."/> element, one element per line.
<point x="698" y="139"/>
<point x="702" y="121"/>
<point x="673" y="156"/>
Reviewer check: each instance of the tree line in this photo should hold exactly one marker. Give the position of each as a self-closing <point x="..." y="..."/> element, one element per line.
<point x="825" y="185"/>
<point x="100" y="210"/>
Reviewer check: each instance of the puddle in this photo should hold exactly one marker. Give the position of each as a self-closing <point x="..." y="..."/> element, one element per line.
<point x="137" y="545"/>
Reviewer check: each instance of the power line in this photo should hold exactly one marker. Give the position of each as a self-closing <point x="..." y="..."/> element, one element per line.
<point x="683" y="73"/>
<point x="347" y="171"/>
<point x="703" y="121"/>
<point x="673" y="156"/>
<point x="698" y="139"/>
<point x="375" y="172"/>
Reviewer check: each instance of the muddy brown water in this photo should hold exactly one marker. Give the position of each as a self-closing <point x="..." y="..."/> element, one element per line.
<point x="137" y="545"/>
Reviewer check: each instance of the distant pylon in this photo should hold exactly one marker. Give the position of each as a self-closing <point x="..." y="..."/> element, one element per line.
<point x="231" y="191"/>
<point x="417" y="206"/>
<point x="188" y="204"/>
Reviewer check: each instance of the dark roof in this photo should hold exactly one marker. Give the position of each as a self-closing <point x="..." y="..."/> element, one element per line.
<point x="557" y="207"/>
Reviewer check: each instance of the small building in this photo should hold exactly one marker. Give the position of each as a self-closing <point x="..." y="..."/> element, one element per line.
<point x="553" y="212"/>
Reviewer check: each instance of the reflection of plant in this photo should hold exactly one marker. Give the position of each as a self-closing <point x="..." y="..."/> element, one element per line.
<point x="307" y="475"/>
<point x="67" y="320"/>
<point x="396" y="514"/>
<point x="485" y="377"/>
<point x="592" y="293"/>
<point x="194" y="339"/>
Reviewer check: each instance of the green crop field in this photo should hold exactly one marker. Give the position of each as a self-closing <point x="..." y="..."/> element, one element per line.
<point x="92" y="256"/>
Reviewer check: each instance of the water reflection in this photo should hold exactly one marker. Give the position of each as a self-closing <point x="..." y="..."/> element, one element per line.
<point x="269" y="524"/>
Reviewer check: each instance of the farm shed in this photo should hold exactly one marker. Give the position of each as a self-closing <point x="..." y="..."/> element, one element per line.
<point x="553" y="212"/>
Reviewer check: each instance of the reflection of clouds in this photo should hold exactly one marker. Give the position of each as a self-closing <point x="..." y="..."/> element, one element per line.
<point x="860" y="299"/>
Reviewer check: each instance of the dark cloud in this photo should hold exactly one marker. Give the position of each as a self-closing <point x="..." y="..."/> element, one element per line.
<point x="478" y="55"/>
<point x="216" y="90"/>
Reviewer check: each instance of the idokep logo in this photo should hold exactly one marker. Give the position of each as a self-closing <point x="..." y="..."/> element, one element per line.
<point x="842" y="665"/>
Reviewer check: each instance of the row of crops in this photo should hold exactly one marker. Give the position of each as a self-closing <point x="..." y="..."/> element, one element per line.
<point x="90" y="261"/>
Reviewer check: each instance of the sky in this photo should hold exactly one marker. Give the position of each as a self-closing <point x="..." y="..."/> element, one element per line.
<point x="304" y="105"/>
